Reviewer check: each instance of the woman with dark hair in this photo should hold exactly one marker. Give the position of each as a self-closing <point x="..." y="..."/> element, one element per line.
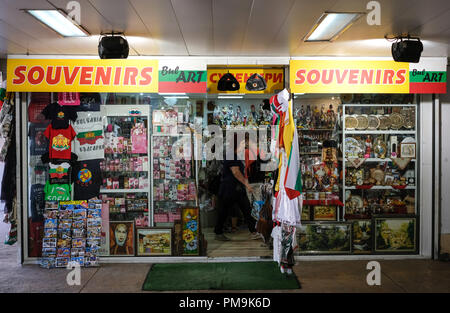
<point x="232" y="191"/>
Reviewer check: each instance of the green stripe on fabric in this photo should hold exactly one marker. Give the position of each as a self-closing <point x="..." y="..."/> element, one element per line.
<point x="185" y="74"/>
<point x="427" y="77"/>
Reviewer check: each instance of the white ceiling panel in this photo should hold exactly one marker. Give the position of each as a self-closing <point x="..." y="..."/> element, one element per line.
<point x="160" y="19"/>
<point x="230" y="19"/>
<point x="267" y="18"/>
<point x="195" y="19"/>
<point x="121" y="15"/>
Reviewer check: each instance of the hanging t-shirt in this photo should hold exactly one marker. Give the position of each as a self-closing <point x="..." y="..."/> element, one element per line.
<point x="89" y="101"/>
<point x="60" y="115"/>
<point x="89" y="142"/>
<point x="57" y="192"/>
<point x="59" y="173"/>
<point x="37" y="202"/>
<point x="60" y="142"/>
<point x="87" y="179"/>
<point x="38" y="142"/>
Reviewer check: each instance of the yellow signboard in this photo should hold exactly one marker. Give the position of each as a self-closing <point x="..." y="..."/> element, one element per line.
<point x="82" y="75"/>
<point x="345" y="76"/>
<point x="273" y="77"/>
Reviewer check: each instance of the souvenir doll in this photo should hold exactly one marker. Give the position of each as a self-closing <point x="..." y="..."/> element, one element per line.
<point x="322" y="118"/>
<point x="253" y="112"/>
<point x="368" y="144"/>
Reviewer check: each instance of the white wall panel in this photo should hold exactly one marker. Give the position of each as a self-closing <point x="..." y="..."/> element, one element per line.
<point x="426" y="171"/>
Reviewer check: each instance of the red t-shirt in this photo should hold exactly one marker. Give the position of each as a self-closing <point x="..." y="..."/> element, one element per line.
<point x="60" y="142"/>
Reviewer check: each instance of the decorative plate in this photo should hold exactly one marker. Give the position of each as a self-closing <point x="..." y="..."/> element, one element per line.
<point x="378" y="175"/>
<point x="385" y="122"/>
<point x="352" y="147"/>
<point x="363" y="122"/>
<point x="374" y="122"/>
<point x="357" y="202"/>
<point x="350" y="122"/>
<point x="347" y="97"/>
<point x="397" y="120"/>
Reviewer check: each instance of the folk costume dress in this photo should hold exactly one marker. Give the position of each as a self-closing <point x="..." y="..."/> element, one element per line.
<point x="288" y="199"/>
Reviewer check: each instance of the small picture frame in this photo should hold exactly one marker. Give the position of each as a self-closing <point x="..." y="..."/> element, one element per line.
<point x="362" y="242"/>
<point x="408" y="150"/>
<point x="155" y="241"/>
<point x="306" y="213"/>
<point x="190" y="231"/>
<point x="121" y="238"/>
<point x="324" y="213"/>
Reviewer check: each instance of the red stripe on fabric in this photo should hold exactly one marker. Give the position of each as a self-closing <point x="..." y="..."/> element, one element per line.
<point x="182" y="87"/>
<point x="428" y="87"/>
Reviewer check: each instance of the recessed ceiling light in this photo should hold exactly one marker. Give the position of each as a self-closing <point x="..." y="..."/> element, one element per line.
<point x="60" y="22"/>
<point x="331" y="25"/>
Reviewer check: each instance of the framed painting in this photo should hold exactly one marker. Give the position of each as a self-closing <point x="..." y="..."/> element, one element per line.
<point x="153" y="241"/>
<point x="306" y="213"/>
<point x="121" y="238"/>
<point x="362" y="236"/>
<point x="190" y="231"/>
<point x="325" y="238"/>
<point x="324" y="213"/>
<point x="395" y="234"/>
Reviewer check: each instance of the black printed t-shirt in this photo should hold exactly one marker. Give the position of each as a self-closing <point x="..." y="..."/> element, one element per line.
<point x="87" y="179"/>
<point x="38" y="141"/>
<point x="60" y="115"/>
<point x="89" y="101"/>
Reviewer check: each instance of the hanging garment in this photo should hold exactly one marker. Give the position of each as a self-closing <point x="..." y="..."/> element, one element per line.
<point x="287" y="211"/>
<point x="276" y="235"/>
<point x="288" y="244"/>
<point x="60" y="142"/>
<point x="89" y="142"/>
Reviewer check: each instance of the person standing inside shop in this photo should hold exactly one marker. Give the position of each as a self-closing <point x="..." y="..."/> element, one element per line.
<point x="232" y="191"/>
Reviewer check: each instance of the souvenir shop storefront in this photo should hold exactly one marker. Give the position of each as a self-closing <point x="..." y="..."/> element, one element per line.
<point x="113" y="165"/>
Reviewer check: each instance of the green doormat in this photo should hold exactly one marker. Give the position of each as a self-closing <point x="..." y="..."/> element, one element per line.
<point x="219" y="276"/>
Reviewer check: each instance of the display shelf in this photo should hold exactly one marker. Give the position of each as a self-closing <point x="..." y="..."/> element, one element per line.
<point x="379" y="188"/>
<point x="122" y="190"/>
<point x="170" y="135"/>
<point x="380" y="132"/>
<point x="379" y="160"/>
<point x="323" y="202"/>
<point x="162" y="161"/>
<point x="366" y="192"/>
<point x="174" y="201"/>
<point x="315" y="129"/>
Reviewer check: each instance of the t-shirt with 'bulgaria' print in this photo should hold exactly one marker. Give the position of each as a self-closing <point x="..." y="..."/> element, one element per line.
<point x="60" y="142"/>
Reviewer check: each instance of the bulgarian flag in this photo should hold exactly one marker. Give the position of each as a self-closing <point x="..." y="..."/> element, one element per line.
<point x="293" y="179"/>
<point x="59" y="171"/>
<point x="89" y="137"/>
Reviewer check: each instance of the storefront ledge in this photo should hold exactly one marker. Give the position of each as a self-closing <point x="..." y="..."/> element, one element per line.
<point x="149" y="260"/>
<point x="359" y="257"/>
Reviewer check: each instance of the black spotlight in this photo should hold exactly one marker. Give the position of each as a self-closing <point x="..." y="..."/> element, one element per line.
<point x="113" y="46"/>
<point x="407" y="50"/>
